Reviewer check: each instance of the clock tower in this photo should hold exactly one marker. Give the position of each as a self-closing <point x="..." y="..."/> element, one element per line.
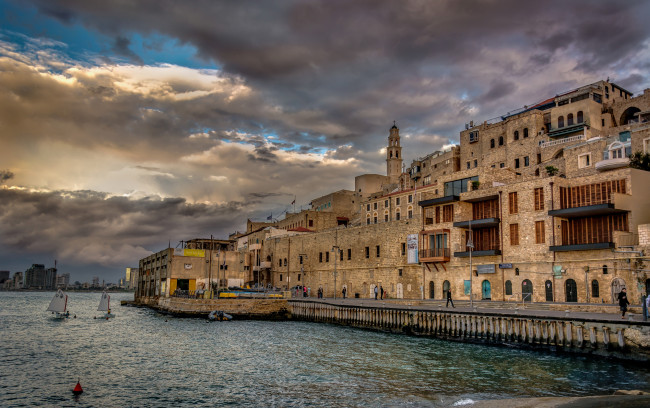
<point x="393" y="156"/>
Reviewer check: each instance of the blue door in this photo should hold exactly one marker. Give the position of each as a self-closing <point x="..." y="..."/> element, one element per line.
<point x="486" y="290"/>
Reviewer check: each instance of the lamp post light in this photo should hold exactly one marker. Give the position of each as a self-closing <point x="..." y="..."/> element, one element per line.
<point x="335" y="251"/>
<point x="470" y="245"/>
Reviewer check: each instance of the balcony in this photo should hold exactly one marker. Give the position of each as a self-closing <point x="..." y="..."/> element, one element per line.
<point x="587" y="211"/>
<point x="565" y="130"/>
<point x="437" y="201"/>
<point x="265" y="264"/>
<point x="611" y="164"/>
<point x="582" y="247"/>
<point x="478" y="224"/>
<point x="486" y="252"/>
<point x="434" y="255"/>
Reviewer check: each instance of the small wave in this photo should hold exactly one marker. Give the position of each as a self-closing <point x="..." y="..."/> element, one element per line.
<point x="466" y="401"/>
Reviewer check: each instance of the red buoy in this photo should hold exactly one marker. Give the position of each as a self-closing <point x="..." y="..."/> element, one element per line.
<point x="77" y="389"/>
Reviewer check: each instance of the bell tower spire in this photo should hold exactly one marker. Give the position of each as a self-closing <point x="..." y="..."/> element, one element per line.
<point x="393" y="156"/>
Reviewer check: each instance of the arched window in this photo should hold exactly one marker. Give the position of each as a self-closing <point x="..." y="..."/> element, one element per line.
<point x="508" y="288"/>
<point x="525" y="133"/>
<point x="580" y="117"/>
<point x="398" y="215"/>
<point x="571" y="290"/>
<point x="560" y="122"/>
<point x="500" y="140"/>
<point x="491" y="143"/>
<point x="445" y="289"/>
<point x="391" y="154"/>
<point x="285" y="261"/>
<point x="595" y="289"/>
<point x="516" y="135"/>
<point x="569" y="119"/>
<point x="397" y="155"/>
<point x="604" y="269"/>
<point x="279" y="262"/>
<point x="616" y="150"/>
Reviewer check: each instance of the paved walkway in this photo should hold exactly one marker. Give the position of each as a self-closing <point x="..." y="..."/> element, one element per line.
<point x="492" y="307"/>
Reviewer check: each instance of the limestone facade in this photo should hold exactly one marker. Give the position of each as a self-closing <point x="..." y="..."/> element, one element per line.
<point x="545" y="193"/>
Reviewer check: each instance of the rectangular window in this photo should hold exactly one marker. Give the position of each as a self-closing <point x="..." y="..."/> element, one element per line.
<point x="327" y="256"/>
<point x="526" y="161"/>
<point x="437" y="215"/>
<point x="311" y="222"/>
<point x="514" y="234"/>
<point x="341" y="255"/>
<point x="646" y="146"/>
<point x="513" y="205"/>
<point x="468" y="165"/>
<point x="516" y="163"/>
<point x="403" y="252"/>
<point x="448" y="213"/>
<point x="385" y="203"/>
<point x="410" y="198"/>
<point x="320" y="257"/>
<point x="539" y="199"/>
<point x="502" y="165"/>
<point x="399" y="271"/>
<point x="397" y="201"/>
<point x="475" y="163"/>
<point x="428" y="215"/>
<point x="539" y="232"/>
<point x="375" y="206"/>
<point x="584" y="160"/>
<point x="349" y="254"/>
<point x="368" y="207"/>
<point x="378" y="252"/>
<point x="367" y="252"/>
<point x="385" y="217"/>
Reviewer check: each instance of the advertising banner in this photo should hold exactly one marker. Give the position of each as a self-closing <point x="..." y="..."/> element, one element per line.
<point x="412" y="248"/>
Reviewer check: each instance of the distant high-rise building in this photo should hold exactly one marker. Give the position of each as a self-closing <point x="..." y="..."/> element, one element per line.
<point x="63" y="280"/>
<point x="131" y="273"/>
<point x="35" y="276"/>
<point x="18" y="280"/>
<point x="4" y="275"/>
<point x="96" y="281"/>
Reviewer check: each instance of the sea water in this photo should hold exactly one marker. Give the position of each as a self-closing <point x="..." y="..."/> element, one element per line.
<point x="145" y="359"/>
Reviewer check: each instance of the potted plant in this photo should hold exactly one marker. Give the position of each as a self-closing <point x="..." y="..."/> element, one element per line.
<point x="551" y="170"/>
<point x="475" y="184"/>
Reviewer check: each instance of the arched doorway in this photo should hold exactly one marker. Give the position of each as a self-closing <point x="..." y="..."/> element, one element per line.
<point x="628" y="115"/>
<point x="486" y="290"/>
<point x="647" y="287"/>
<point x="431" y="292"/>
<point x="617" y="285"/>
<point x="508" y="288"/>
<point x="445" y="289"/>
<point x="400" y="291"/>
<point x="548" y="287"/>
<point x="527" y="290"/>
<point x="571" y="290"/>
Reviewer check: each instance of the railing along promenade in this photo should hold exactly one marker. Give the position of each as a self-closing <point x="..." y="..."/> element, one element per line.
<point x="601" y="334"/>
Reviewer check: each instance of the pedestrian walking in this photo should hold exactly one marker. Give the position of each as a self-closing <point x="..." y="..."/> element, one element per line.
<point x="376" y="292"/>
<point x="304" y="291"/>
<point x="647" y="305"/>
<point x="449" y="299"/>
<point x="623" y="302"/>
<point x="381" y="290"/>
<point x="344" y="292"/>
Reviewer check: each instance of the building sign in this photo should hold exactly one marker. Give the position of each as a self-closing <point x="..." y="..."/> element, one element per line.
<point x="467" y="286"/>
<point x="557" y="271"/>
<point x="485" y="269"/>
<point x="200" y="253"/>
<point x="412" y="248"/>
<point x="505" y="266"/>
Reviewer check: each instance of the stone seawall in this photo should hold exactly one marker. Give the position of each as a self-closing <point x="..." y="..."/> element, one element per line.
<point x="260" y="309"/>
<point x="628" y="340"/>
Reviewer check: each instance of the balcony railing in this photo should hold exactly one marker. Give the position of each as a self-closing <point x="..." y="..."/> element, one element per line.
<point x="564" y="140"/>
<point x="437" y="253"/>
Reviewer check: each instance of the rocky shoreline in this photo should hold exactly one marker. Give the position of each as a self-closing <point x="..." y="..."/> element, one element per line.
<point x="622" y="398"/>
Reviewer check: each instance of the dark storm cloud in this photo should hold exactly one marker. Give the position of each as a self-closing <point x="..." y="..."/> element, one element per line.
<point x="5" y="175"/>
<point x="328" y="54"/>
<point x="87" y="227"/>
<point x="121" y="48"/>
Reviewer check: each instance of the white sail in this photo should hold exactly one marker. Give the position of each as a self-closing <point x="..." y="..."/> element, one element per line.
<point x="104" y="303"/>
<point x="59" y="303"/>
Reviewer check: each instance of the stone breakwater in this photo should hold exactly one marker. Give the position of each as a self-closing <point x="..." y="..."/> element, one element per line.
<point x="628" y="340"/>
<point x="260" y="309"/>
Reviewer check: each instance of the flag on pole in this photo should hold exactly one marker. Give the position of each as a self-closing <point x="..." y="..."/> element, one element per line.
<point x="293" y="202"/>
<point x="270" y="217"/>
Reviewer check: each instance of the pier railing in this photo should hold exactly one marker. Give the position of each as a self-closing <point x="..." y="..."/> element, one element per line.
<point x="590" y="336"/>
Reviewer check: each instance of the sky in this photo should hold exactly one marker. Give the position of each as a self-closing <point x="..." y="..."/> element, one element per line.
<point x="129" y="125"/>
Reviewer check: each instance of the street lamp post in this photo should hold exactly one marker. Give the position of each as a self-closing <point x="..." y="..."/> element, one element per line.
<point x="335" y="251"/>
<point x="470" y="245"/>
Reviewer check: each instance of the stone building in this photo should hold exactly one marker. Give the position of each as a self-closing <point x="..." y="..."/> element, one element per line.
<point x="536" y="205"/>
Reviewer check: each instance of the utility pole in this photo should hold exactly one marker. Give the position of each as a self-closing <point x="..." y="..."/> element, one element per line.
<point x="470" y="245"/>
<point x="335" y="251"/>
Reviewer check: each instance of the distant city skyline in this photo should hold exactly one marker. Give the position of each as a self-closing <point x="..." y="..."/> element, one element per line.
<point x="127" y="128"/>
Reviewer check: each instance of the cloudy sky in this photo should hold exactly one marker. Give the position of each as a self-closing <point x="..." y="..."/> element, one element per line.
<point x="125" y="125"/>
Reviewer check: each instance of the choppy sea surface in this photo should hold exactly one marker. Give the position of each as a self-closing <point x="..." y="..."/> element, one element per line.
<point x="145" y="359"/>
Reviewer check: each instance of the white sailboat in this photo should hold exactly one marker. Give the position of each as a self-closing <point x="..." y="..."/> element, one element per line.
<point x="105" y="305"/>
<point x="59" y="305"/>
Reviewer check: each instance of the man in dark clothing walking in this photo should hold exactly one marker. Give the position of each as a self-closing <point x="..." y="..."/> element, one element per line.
<point x="381" y="290"/>
<point x="449" y="299"/>
<point x="623" y="302"/>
